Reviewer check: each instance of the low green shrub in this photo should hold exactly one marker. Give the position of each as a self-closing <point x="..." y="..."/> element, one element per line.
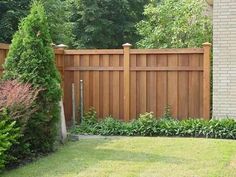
<point x="9" y="134"/>
<point x="147" y="125"/>
<point x="109" y="126"/>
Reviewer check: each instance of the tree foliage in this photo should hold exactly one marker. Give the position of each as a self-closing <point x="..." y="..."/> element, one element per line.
<point x="106" y="23"/>
<point x="31" y="60"/>
<point x="175" y="23"/>
<point x="12" y="11"/>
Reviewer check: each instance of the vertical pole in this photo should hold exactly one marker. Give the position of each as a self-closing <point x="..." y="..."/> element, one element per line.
<point x="73" y="104"/>
<point x="126" y="81"/>
<point x="206" y="80"/>
<point x="81" y="101"/>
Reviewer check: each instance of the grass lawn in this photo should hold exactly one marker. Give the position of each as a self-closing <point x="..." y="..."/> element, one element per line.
<point x="137" y="156"/>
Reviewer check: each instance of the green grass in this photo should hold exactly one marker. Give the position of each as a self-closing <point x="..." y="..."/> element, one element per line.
<point x="137" y="156"/>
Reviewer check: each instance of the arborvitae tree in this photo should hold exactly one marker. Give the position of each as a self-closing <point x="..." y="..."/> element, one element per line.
<point x="31" y="60"/>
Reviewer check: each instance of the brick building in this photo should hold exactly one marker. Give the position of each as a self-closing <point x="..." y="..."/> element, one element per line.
<point x="224" y="62"/>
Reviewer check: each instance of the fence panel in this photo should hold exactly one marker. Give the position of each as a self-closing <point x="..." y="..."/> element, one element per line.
<point x="125" y="83"/>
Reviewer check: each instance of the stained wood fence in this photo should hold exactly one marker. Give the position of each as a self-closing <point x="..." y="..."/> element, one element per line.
<point x="126" y="82"/>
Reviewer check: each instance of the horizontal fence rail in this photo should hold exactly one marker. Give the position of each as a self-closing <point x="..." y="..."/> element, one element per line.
<point x="125" y="83"/>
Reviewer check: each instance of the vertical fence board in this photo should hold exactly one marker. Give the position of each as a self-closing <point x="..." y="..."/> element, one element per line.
<point x="68" y="80"/>
<point x="161" y="85"/>
<point x="84" y="61"/>
<point x="201" y="87"/>
<point x="194" y="96"/>
<point x="183" y="89"/>
<point x="173" y="86"/>
<point x="105" y="89"/>
<point x="77" y="87"/>
<point x="142" y="85"/>
<point x="116" y="87"/>
<point x="133" y="89"/>
<point x="122" y="94"/>
<point x="95" y="60"/>
<point x="151" y="85"/>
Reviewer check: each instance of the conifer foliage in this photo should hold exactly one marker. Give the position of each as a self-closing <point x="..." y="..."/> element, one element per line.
<point x="31" y="60"/>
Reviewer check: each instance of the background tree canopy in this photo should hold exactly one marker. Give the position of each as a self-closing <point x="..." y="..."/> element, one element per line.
<point x="110" y="23"/>
<point x="174" y="24"/>
<point x="12" y="11"/>
<point x="10" y="14"/>
<point x="106" y="23"/>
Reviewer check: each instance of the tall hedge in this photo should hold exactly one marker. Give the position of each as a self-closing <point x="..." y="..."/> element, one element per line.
<point x="31" y="60"/>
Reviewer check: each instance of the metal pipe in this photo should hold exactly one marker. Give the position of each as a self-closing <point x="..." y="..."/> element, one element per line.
<point x="73" y="104"/>
<point x="81" y="100"/>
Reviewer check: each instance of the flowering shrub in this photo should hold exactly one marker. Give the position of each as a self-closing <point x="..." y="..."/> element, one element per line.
<point x="17" y="98"/>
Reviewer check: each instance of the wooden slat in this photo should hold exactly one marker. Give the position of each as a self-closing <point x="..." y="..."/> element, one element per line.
<point x="68" y="80"/>
<point x="161" y="86"/>
<point x="166" y="51"/>
<point x="94" y="68"/>
<point x="121" y="91"/>
<point x="105" y="90"/>
<point x="168" y="68"/>
<point x="142" y="85"/>
<point x="201" y="87"/>
<point x="183" y="88"/>
<point x="95" y="59"/>
<point x="116" y="87"/>
<point x="77" y="86"/>
<point x="194" y="93"/>
<point x="94" y="52"/>
<point x="133" y="89"/>
<point x="151" y="85"/>
<point x="86" y="80"/>
<point x="173" y="86"/>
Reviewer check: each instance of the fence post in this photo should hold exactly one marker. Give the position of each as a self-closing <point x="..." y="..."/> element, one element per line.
<point x="126" y="81"/>
<point x="206" y="80"/>
<point x="62" y="47"/>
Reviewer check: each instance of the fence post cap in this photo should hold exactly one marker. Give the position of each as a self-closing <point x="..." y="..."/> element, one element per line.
<point x="61" y="46"/>
<point x="207" y="44"/>
<point x="127" y="45"/>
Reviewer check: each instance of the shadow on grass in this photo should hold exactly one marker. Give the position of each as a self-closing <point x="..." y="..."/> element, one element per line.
<point x="97" y="151"/>
<point x="79" y="156"/>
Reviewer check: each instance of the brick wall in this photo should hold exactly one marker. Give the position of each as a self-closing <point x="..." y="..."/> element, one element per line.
<point x="224" y="63"/>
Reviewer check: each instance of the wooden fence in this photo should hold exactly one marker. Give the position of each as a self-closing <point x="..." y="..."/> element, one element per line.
<point x="126" y="82"/>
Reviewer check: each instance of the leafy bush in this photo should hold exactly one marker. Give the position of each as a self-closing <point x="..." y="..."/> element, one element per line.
<point x="90" y="117"/>
<point x="109" y="126"/>
<point x="17" y="99"/>
<point x="31" y="60"/>
<point x="147" y="125"/>
<point x="9" y="134"/>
